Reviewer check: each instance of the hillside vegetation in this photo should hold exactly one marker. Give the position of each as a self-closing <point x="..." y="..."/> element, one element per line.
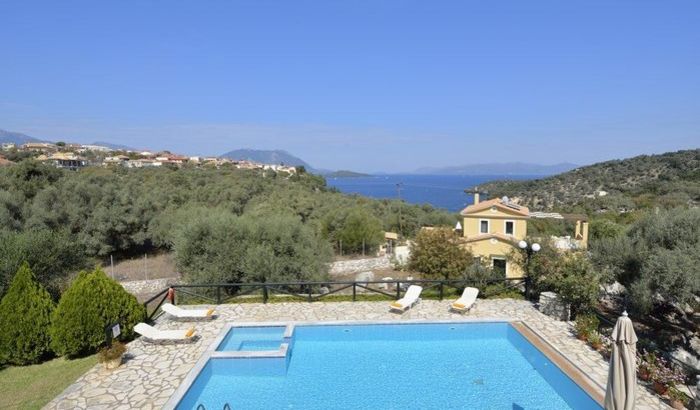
<point x="227" y="224"/>
<point x="665" y="180"/>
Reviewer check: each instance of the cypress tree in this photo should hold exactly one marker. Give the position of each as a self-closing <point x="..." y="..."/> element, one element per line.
<point x="91" y="303"/>
<point x="25" y="318"/>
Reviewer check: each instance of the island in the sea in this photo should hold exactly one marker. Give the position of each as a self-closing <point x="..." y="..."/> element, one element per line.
<point x="346" y="174"/>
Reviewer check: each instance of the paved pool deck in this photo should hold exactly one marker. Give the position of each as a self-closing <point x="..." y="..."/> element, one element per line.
<point x="152" y="373"/>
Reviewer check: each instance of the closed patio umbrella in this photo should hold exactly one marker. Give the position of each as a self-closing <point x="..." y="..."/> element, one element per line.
<point x="622" y="376"/>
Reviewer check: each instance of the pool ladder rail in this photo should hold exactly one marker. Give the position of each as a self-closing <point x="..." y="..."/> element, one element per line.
<point x="201" y="407"/>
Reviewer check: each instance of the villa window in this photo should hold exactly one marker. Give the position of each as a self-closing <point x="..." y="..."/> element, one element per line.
<point x="484" y="226"/>
<point x="499" y="266"/>
<point x="510" y="228"/>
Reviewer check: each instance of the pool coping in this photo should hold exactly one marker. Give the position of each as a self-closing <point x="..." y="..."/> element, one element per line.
<point x="566" y="365"/>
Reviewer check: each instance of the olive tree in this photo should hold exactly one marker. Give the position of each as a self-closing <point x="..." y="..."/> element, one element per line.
<point x="438" y="255"/>
<point x="657" y="259"/>
<point x="221" y="247"/>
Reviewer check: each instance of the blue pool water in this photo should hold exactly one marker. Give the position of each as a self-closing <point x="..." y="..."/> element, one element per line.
<point x="406" y="366"/>
<point x="253" y="338"/>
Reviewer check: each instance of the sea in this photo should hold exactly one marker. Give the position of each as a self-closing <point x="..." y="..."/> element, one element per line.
<point x="440" y="191"/>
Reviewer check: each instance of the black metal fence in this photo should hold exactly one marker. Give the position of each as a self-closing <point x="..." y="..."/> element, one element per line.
<point x="330" y="291"/>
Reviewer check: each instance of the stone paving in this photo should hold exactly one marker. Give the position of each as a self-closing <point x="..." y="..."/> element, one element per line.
<point x="151" y="373"/>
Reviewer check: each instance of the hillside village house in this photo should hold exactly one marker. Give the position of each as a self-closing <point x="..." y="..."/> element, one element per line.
<point x="40" y="147"/>
<point x="121" y="160"/>
<point x="64" y="160"/>
<point x="492" y="229"/>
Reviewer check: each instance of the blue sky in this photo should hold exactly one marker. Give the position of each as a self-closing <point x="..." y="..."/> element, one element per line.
<point x="365" y="84"/>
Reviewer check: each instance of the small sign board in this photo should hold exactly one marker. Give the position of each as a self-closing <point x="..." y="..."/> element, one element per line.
<point x="111" y="332"/>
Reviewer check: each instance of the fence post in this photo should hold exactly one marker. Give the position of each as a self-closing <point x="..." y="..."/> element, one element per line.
<point x="354" y="292"/>
<point x="441" y="283"/>
<point x="398" y="289"/>
<point x="527" y="288"/>
<point x="264" y="293"/>
<point x="308" y="287"/>
<point x="218" y="295"/>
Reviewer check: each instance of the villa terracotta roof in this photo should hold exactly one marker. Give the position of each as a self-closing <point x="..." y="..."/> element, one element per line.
<point x="496" y="235"/>
<point x="497" y="202"/>
<point x="65" y="156"/>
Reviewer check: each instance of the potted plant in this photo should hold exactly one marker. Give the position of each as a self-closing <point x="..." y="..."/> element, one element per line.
<point x="595" y="340"/>
<point x="585" y="325"/>
<point x="677" y="398"/>
<point x="111" y="356"/>
<point x="664" y="376"/>
<point x="646" y="362"/>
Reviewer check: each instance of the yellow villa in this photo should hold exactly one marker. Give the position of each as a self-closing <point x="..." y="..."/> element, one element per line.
<point x="492" y="229"/>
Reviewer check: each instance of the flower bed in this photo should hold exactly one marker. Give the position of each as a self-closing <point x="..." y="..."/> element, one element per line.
<point x="652" y="368"/>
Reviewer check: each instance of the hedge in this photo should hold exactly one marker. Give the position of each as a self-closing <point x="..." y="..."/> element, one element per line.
<point x="93" y="302"/>
<point x="25" y="317"/>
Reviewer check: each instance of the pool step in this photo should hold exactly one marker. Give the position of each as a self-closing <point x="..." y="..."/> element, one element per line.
<point x="283" y="352"/>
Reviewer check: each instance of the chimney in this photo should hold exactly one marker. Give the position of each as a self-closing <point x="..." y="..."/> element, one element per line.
<point x="476" y="195"/>
<point x="577" y="234"/>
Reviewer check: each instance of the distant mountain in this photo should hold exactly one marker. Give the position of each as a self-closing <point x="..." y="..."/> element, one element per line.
<point x="271" y="157"/>
<point x="16" y="137"/>
<point x="508" y="168"/>
<point x="116" y="147"/>
<point x="665" y="180"/>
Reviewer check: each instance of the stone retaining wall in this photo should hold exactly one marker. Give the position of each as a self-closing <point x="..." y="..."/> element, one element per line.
<point x="552" y="306"/>
<point x="360" y="265"/>
<point x="140" y="287"/>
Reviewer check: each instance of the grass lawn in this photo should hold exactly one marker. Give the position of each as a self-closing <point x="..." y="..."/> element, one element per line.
<point x="31" y="387"/>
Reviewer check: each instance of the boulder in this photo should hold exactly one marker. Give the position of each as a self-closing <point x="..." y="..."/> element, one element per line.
<point x="615" y="288"/>
<point x="364" y="277"/>
<point x="686" y="357"/>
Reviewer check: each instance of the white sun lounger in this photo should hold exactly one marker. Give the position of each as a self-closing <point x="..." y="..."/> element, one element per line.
<point x="466" y="301"/>
<point x="153" y="335"/>
<point x="179" y="313"/>
<point x="411" y="297"/>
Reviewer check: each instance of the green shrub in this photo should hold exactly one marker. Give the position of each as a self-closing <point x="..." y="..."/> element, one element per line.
<point x="500" y="291"/>
<point x="92" y="303"/>
<point x="25" y="317"/>
<point x="571" y="275"/>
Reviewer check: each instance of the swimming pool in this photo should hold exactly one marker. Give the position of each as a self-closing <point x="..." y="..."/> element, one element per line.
<point x="381" y="366"/>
